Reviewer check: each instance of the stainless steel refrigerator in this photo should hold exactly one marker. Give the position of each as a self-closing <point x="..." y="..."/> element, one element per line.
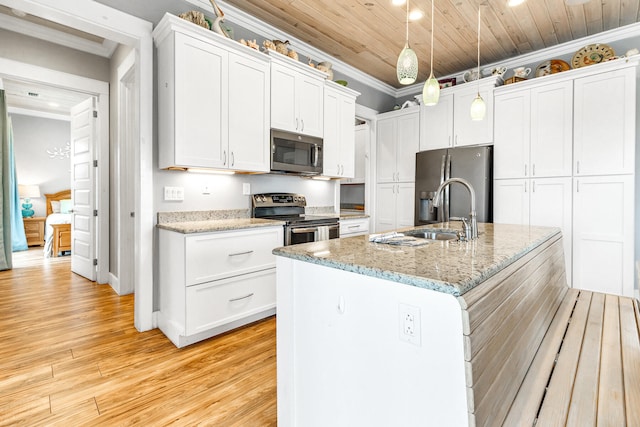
<point x="435" y="166"/>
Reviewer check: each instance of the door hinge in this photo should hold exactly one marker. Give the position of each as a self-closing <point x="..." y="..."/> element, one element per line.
<point x="95" y="212"/>
<point x="95" y="113"/>
<point x="95" y="261"/>
<point x="95" y="163"/>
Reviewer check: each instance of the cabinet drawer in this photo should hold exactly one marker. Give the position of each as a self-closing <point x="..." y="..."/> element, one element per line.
<point x="352" y="227"/>
<point x="219" y="255"/>
<point x="217" y="303"/>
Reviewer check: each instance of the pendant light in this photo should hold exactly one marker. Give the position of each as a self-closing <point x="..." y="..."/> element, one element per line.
<point x="407" y="67"/>
<point x="431" y="89"/>
<point x="478" y="107"/>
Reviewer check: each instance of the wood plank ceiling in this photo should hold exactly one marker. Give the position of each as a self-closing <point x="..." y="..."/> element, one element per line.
<point x="369" y="34"/>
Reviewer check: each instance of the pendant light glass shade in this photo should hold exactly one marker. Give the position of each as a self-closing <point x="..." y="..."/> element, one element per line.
<point x="431" y="91"/>
<point x="478" y="108"/>
<point x="407" y="66"/>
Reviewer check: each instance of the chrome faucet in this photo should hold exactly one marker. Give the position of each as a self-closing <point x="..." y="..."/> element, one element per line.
<point x="471" y="227"/>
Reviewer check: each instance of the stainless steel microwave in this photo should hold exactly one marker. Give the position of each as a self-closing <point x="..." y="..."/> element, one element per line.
<point x="296" y="154"/>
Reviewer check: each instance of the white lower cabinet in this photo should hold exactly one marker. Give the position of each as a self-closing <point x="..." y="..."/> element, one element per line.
<point x="394" y="206"/>
<point x="543" y="202"/>
<point x="354" y="227"/>
<point x="603" y="234"/>
<point x="214" y="282"/>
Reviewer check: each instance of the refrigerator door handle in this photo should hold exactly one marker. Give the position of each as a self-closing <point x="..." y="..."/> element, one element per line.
<point x="447" y="175"/>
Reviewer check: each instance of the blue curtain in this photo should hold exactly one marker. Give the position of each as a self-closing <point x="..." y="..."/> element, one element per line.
<point x="5" y="193"/>
<point x="18" y="238"/>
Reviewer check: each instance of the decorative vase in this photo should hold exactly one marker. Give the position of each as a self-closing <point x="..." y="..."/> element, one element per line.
<point x="27" y="212"/>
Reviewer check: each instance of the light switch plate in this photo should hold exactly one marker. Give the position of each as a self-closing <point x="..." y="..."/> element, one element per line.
<point x="173" y="193"/>
<point x="246" y="189"/>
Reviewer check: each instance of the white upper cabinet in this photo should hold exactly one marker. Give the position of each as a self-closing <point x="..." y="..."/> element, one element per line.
<point x="339" y="131"/>
<point x="512" y="135"/>
<point x="249" y="100"/>
<point x="551" y="130"/>
<point x="465" y="130"/>
<point x="436" y="124"/>
<point x="604" y="123"/>
<point x="204" y="84"/>
<point x="397" y="142"/>
<point x="297" y="95"/>
<point x="533" y="131"/>
<point x="448" y="123"/>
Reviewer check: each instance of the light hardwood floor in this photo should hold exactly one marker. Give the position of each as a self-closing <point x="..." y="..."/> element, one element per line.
<point x="69" y="355"/>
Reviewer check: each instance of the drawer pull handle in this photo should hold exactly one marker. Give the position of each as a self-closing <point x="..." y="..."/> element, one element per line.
<point x="351" y="227"/>
<point x="241" y="298"/>
<point x="241" y="253"/>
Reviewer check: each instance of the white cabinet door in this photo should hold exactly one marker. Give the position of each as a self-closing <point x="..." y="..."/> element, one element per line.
<point x="511" y="146"/>
<point x="296" y="101"/>
<point x="201" y="101"/>
<point x="436" y="124"/>
<point x="249" y="100"/>
<point x="386" y="150"/>
<point x="398" y="141"/>
<point x="604" y="123"/>
<point x="385" y="207"/>
<point x="467" y="131"/>
<point x="339" y="134"/>
<point x="405" y="202"/>
<point x="361" y="150"/>
<point x="283" y="98"/>
<point x="551" y="130"/>
<point x="310" y="95"/>
<point x="346" y="125"/>
<point x="603" y="234"/>
<point x="331" y="140"/>
<point x="407" y="143"/>
<point x="550" y="206"/>
<point x="511" y="201"/>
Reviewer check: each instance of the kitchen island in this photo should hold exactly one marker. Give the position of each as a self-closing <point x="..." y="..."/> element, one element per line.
<point x="438" y="334"/>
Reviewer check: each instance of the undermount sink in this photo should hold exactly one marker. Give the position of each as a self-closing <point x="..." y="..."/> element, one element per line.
<point x="433" y="234"/>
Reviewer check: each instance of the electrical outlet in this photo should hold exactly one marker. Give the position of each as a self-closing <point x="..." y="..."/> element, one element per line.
<point x="246" y="189"/>
<point x="173" y="193"/>
<point x="409" y="324"/>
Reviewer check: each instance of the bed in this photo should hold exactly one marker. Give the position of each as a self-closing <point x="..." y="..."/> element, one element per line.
<point x="57" y="230"/>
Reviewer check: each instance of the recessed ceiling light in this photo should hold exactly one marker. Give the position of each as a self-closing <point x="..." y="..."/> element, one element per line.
<point x="398" y="2"/>
<point x="416" y="14"/>
<point x="512" y="3"/>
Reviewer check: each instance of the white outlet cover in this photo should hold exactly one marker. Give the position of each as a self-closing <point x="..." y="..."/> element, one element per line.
<point x="409" y="324"/>
<point x="246" y="189"/>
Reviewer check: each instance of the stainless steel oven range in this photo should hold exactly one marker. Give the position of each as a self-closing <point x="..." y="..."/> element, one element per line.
<point x="299" y="228"/>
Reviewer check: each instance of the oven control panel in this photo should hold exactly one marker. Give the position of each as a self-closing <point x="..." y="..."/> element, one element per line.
<point x="278" y="199"/>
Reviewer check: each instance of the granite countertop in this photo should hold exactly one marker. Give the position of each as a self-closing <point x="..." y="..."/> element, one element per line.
<point x="446" y="266"/>
<point x="352" y="214"/>
<point x="204" y="226"/>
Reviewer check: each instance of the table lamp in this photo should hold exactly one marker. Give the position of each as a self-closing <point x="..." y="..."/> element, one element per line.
<point x="26" y="192"/>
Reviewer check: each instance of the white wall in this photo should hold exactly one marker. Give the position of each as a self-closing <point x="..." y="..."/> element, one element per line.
<point x="226" y="190"/>
<point x="32" y="137"/>
<point x="34" y="51"/>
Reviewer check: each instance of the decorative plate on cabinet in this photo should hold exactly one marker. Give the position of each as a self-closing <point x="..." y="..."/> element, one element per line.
<point x="592" y="54"/>
<point x="552" y="66"/>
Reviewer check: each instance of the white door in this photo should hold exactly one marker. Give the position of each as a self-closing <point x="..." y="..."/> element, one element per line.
<point x="511" y="145"/>
<point x="386" y="208"/>
<point x="83" y="225"/>
<point x="408" y="143"/>
<point x="603" y="234"/>
<point x="405" y="205"/>
<point x="511" y="201"/>
<point x="436" y="124"/>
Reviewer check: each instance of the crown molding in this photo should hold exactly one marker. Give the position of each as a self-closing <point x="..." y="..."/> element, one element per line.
<point x="268" y="31"/>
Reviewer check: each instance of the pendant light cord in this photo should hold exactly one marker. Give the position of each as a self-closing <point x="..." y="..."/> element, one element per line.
<point x="479" y="49"/>
<point x="407" y="21"/>
<point x="432" y="8"/>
